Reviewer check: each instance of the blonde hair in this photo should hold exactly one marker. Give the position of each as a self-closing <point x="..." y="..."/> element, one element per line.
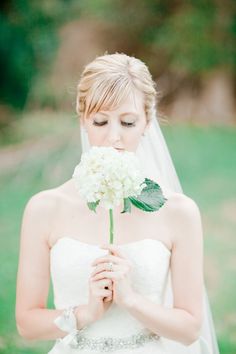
<point x="109" y="79"/>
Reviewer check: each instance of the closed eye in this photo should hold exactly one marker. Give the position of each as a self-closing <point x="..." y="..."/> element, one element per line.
<point x="126" y="124"/>
<point x="99" y="124"/>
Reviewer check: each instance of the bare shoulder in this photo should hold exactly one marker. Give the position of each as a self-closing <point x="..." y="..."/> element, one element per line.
<point x="46" y="201"/>
<point x="41" y="209"/>
<point x="42" y="202"/>
<point x="185" y="217"/>
<point x="181" y="205"/>
<point x="40" y="215"/>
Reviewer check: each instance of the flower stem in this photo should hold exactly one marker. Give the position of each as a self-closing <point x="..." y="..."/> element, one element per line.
<point x="111" y="225"/>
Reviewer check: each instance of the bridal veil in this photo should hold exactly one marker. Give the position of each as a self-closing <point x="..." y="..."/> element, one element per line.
<point x="157" y="163"/>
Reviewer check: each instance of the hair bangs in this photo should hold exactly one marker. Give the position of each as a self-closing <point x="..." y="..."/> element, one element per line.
<point x="109" y="79"/>
<point x="107" y="95"/>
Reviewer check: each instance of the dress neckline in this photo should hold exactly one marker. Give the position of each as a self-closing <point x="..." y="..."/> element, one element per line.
<point x="120" y="245"/>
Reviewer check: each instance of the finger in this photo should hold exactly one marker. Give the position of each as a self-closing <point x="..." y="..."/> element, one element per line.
<point x="124" y="263"/>
<point x="108" y="284"/>
<point x="103" y="267"/>
<point x="99" y="268"/>
<point x="107" y="299"/>
<point x="102" y="275"/>
<point x="114" y="249"/>
<point x="108" y="287"/>
<point x="105" y="283"/>
<point x="97" y="287"/>
<point x="116" y="268"/>
<point x="103" y="292"/>
<point x="108" y="258"/>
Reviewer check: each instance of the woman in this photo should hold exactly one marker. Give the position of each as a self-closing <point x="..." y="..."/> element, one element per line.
<point x="145" y="293"/>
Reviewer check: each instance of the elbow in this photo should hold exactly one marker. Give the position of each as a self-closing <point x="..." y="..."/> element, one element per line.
<point x="192" y="337"/>
<point x="193" y="332"/>
<point x="20" y="326"/>
<point x="24" y="333"/>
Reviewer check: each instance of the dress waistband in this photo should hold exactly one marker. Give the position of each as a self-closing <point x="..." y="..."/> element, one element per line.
<point x="109" y="344"/>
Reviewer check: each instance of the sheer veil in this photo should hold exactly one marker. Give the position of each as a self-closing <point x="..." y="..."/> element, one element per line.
<point x="156" y="161"/>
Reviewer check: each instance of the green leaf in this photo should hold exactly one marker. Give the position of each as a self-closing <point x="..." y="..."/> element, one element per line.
<point x="93" y="205"/>
<point x="151" y="198"/>
<point x="127" y="206"/>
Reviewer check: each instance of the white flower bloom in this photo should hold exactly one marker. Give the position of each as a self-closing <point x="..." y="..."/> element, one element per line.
<point x="109" y="176"/>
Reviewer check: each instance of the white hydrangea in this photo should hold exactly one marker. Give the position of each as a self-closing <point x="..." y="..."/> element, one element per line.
<point x="109" y="176"/>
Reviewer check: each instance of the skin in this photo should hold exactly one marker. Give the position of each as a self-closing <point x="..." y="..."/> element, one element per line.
<point x="120" y="128"/>
<point x="52" y="214"/>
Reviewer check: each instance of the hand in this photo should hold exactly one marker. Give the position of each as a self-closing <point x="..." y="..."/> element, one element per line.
<point x="100" y="298"/>
<point x="120" y="276"/>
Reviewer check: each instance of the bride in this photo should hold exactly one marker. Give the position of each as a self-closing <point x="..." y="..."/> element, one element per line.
<point x="143" y="294"/>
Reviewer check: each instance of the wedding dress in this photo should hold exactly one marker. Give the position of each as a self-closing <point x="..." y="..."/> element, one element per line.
<point x="70" y="265"/>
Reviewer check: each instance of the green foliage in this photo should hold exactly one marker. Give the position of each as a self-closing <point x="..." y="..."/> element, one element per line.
<point x="93" y="205"/>
<point x="28" y="42"/>
<point x="195" y="39"/>
<point x="127" y="206"/>
<point x="151" y="198"/>
<point x="186" y="36"/>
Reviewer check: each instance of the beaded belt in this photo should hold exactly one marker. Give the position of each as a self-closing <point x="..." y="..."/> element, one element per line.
<point x="108" y="344"/>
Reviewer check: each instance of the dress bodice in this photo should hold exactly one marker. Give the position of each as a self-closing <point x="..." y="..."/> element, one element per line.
<point x="70" y="266"/>
<point x="70" y="262"/>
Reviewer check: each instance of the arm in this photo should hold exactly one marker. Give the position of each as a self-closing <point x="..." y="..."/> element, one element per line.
<point x="33" y="319"/>
<point x="182" y="322"/>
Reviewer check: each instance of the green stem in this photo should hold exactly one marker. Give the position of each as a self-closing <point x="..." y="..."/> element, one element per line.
<point x="111" y="225"/>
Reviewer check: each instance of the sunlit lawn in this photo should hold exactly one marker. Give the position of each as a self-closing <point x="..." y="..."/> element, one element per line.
<point x="205" y="161"/>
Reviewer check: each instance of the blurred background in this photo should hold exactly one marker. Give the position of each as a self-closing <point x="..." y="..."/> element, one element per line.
<point x="190" y="49"/>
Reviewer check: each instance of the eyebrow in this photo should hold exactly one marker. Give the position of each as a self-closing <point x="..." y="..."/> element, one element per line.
<point x="122" y="114"/>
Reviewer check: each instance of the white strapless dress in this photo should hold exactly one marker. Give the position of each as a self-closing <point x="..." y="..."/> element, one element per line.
<point x="70" y="262"/>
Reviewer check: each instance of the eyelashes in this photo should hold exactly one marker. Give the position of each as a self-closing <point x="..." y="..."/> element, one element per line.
<point x="128" y="125"/>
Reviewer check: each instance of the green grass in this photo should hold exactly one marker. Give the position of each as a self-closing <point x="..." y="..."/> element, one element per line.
<point x="205" y="162"/>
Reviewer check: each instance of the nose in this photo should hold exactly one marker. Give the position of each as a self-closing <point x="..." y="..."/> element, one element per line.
<point x="114" y="134"/>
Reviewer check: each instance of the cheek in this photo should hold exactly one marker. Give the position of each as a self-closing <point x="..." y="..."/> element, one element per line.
<point x="132" y="138"/>
<point x="134" y="135"/>
<point x="138" y="131"/>
<point x="96" y="135"/>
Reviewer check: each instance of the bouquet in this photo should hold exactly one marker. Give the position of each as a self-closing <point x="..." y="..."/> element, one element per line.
<point x="108" y="178"/>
